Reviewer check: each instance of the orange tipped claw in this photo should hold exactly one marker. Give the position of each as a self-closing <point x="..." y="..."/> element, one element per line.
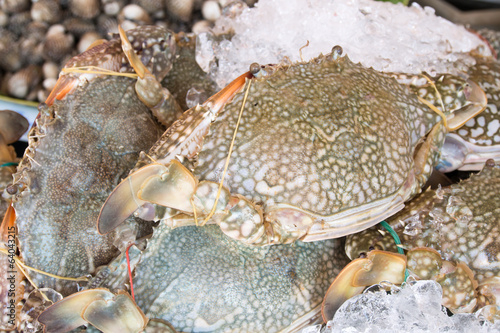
<point x="360" y="273"/>
<point x="224" y="96"/>
<point x="122" y="202"/>
<point x="63" y="86"/>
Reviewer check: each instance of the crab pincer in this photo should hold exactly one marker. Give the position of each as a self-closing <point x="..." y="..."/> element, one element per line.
<point x="100" y="307"/>
<point x="422" y="263"/>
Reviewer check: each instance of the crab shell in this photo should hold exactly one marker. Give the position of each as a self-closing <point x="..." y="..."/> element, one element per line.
<point x="461" y="223"/>
<point x="87" y="137"/>
<point x="320" y="150"/>
<point x="199" y="280"/>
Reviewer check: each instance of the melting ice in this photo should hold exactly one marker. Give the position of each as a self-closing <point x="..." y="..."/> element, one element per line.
<point x="416" y="308"/>
<point x="385" y="36"/>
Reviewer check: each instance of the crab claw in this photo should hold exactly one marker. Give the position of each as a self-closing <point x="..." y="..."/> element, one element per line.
<point x="64" y="86"/>
<point x="360" y="273"/>
<point x="146" y="183"/>
<point x="65" y="315"/>
<point x="99" y="307"/>
<point x="123" y="201"/>
<point x="171" y="186"/>
<point x="174" y="188"/>
<point x="477" y="102"/>
<point x="7" y="154"/>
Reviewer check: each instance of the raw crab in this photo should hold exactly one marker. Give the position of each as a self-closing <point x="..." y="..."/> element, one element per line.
<point x="452" y="235"/>
<point x="199" y="280"/>
<point x="320" y="150"/>
<point x="78" y="151"/>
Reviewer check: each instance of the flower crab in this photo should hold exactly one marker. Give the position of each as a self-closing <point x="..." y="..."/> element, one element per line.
<point x="451" y="235"/>
<point x="306" y="151"/>
<point x="78" y="151"/>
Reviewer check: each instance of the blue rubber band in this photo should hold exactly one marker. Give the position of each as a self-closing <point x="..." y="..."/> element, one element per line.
<point x="397" y="241"/>
<point x="8" y="164"/>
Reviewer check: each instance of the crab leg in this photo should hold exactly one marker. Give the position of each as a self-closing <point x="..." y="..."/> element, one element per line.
<point x="151" y="90"/>
<point x="477" y="103"/>
<point x="183" y="138"/>
<point x="148" y="88"/>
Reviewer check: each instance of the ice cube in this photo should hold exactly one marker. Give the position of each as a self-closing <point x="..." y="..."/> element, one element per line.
<point x="382" y="35"/>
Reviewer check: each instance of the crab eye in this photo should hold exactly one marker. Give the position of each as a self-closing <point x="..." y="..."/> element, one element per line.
<point x="254" y="68"/>
<point x="467" y="90"/>
<point x="337" y="51"/>
<point x="163" y="44"/>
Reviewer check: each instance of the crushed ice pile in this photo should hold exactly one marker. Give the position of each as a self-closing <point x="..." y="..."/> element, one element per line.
<point x="414" y="308"/>
<point x="382" y="35"/>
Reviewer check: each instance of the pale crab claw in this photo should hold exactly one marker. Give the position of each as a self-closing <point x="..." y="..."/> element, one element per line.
<point x="99" y="307"/>
<point x="462" y="155"/>
<point x="477" y="102"/>
<point x="148" y="184"/>
<point x="6" y="153"/>
<point x="123" y="201"/>
<point x="181" y="187"/>
<point x="360" y="273"/>
<point x="457" y="280"/>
